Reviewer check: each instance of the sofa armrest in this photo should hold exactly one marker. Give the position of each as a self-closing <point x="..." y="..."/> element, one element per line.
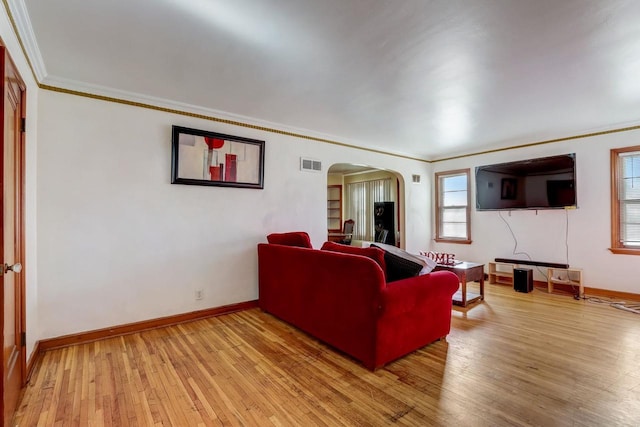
<point x="407" y="295"/>
<point x="414" y="312"/>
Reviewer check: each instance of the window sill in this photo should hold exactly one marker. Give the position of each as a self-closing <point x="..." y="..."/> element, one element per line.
<point x="625" y="251"/>
<point x="459" y="241"/>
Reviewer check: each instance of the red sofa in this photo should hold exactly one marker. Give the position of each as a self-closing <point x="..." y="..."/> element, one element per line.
<point x="343" y="300"/>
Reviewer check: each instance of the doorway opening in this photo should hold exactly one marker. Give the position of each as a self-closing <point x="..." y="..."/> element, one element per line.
<point x="372" y="197"/>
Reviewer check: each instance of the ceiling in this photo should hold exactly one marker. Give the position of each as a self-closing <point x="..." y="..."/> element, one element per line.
<point x="427" y="79"/>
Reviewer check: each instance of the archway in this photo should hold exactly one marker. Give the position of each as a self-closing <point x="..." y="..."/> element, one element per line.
<point x="358" y="192"/>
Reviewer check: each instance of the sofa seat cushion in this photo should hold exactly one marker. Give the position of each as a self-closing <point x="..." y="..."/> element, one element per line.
<point x="400" y="264"/>
<point x="375" y="254"/>
<point x="294" y="238"/>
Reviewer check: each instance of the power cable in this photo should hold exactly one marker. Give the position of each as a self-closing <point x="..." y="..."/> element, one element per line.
<point x="620" y="305"/>
<point x="515" y="247"/>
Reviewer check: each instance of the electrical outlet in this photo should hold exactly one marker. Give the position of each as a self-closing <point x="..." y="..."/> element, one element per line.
<point x="199" y="294"/>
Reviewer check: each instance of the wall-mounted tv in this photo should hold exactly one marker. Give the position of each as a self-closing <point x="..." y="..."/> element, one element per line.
<point x="542" y="183"/>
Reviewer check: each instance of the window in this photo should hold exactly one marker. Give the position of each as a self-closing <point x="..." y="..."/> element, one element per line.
<point x="453" y="222"/>
<point x="625" y="200"/>
<point x="360" y="198"/>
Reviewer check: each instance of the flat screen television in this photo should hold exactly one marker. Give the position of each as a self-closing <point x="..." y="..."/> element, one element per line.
<point x="542" y="183"/>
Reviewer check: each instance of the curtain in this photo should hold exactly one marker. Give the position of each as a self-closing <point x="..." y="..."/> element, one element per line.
<point x="359" y="200"/>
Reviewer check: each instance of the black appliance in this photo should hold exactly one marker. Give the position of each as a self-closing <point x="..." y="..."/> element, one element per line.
<point x="523" y="279"/>
<point x="384" y="223"/>
<point x="542" y="183"/>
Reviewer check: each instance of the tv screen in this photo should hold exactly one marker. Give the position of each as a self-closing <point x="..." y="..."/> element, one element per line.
<point x="542" y="183"/>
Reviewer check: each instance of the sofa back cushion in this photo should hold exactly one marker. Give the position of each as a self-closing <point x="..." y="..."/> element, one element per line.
<point x="294" y="238"/>
<point x="375" y="254"/>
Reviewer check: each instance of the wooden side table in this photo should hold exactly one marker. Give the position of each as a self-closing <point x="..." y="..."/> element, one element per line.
<point x="466" y="272"/>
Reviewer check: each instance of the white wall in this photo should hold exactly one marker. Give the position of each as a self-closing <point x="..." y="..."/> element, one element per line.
<point x="11" y="43"/>
<point x="541" y="234"/>
<point x="118" y="243"/>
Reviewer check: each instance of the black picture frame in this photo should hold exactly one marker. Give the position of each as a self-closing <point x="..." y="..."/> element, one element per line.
<point x="200" y="157"/>
<point x="508" y="188"/>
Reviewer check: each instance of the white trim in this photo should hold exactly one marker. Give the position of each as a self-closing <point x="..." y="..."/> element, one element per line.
<point x="109" y="92"/>
<point x="28" y="37"/>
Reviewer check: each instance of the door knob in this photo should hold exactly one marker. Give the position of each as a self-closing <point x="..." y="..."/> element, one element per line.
<point x="16" y="268"/>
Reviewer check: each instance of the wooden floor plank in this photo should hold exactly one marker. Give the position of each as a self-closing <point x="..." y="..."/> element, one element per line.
<point x="513" y="360"/>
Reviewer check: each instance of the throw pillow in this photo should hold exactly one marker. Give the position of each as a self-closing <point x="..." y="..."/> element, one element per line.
<point x="429" y="264"/>
<point x="375" y="254"/>
<point x="400" y="264"/>
<point x="295" y="238"/>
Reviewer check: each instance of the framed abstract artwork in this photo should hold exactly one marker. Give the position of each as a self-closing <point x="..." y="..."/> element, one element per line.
<point x="200" y="157"/>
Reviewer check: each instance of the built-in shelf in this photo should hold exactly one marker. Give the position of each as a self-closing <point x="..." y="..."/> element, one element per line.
<point x="565" y="276"/>
<point x="501" y="273"/>
<point x="334" y="208"/>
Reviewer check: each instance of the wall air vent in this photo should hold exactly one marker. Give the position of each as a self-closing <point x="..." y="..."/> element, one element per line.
<point x="415" y="179"/>
<point x="310" y="165"/>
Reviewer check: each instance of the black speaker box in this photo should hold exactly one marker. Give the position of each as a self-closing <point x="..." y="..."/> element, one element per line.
<point x="523" y="279"/>
<point x="385" y="219"/>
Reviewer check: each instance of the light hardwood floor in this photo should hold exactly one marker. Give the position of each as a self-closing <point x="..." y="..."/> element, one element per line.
<point x="514" y="360"/>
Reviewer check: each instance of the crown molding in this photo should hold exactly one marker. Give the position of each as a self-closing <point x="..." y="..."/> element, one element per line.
<point x="104" y="93"/>
<point x="20" y="17"/>
<point x="58" y="84"/>
<point x="633" y="126"/>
